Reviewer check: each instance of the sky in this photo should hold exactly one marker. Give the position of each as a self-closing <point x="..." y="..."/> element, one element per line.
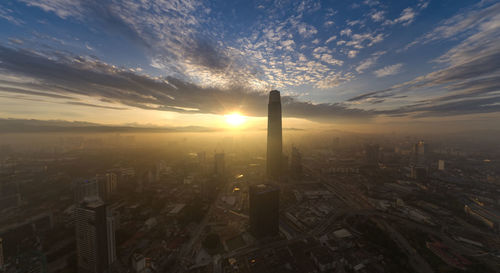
<point x="369" y="63"/>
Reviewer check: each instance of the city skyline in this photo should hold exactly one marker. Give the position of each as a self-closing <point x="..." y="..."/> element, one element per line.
<point x="359" y="66"/>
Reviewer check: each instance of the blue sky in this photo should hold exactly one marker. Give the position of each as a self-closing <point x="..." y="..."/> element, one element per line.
<point x="355" y="61"/>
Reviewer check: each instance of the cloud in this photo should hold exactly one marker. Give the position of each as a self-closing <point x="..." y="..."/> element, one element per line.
<point x="406" y="18"/>
<point x="408" y="15"/>
<point x="329" y="23"/>
<point x="330" y="39"/>
<point x="306" y="30"/>
<point x="359" y="41"/>
<point x="94" y="105"/>
<point x="61" y="76"/>
<point x="16" y="41"/>
<point x="181" y="41"/>
<point x="62" y="8"/>
<point x="6" y="14"/>
<point x="371" y="3"/>
<point x="469" y="82"/>
<point x="346" y="32"/>
<point x="378" y="16"/>
<point x="388" y="70"/>
<point x="352" y="53"/>
<point x="333" y="79"/>
<point x="460" y="24"/>
<point x="369" y="62"/>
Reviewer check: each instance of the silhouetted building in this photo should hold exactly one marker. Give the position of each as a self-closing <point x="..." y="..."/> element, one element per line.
<point x="274" y="136"/>
<point x="95" y="237"/>
<point x="420" y="151"/>
<point x="1" y="254"/>
<point x="296" y="163"/>
<point x="84" y="188"/>
<point x="219" y="164"/>
<point x="418" y="173"/>
<point x="372" y="153"/>
<point x="106" y="185"/>
<point x="264" y="210"/>
<point x="441" y="165"/>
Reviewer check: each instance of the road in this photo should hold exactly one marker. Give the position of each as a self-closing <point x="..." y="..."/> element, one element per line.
<point x="195" y="236"/>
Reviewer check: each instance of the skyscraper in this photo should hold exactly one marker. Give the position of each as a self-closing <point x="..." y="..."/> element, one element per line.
<point x="219" y="164"/>
<point x="296" y="163"/>
<point x="106" y="185"/>
<point x="95" y="237"/>
<point x="274" y="136"/>
<point x="372" y="153"/>
<point x="420" y="151"/>
<point x="264" y="210"/>
<point x="441" y="165"/>
<point x="1" y="254"/>
<point x="84" y="188"/>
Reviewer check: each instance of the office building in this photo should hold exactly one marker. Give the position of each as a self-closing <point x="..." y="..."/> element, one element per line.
<point x="106" y="185"/>
<point x="1" y="254"/>
<point x="441" y="165"/>
<point x="372" y="153"/>
<point x="95" y="237"/>
<point x="85" y="188"/>
<point x="274" y="136"/>
<point x="264" y="210"/>
<point x="296" y="163"/>
<point x="420" y="151"/>
<point x="219" y="164"/>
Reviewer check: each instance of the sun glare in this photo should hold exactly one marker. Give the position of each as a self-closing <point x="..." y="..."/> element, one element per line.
<point x="235" y="119"/>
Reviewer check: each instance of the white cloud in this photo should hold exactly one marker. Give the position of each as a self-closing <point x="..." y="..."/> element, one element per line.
<point x="330" y="39"/>
<point x="329" y="23"/>
<point x="377" y="16"/>
<point x="62" y="8"/>
<point x="88" y="46"/>
<point x="367" y="63"/>
<point x="408" y="15"/>
<point x="346" y="32"/>
<point x="7" y="15"/>
<point x="388" y="70"/>
<point x="371" y="2"/>
<point x="352" y="53"/>
<point x="327" y="58"/>
<point x="459" y="24"/>
<point x="333" y="79"/>
<point x="306" y="30"/>
<point x="359" y="41"/>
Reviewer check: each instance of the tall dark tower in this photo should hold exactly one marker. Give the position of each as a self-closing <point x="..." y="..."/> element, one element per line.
<point x="274" y="137"/>
<point x="264" y="210"/>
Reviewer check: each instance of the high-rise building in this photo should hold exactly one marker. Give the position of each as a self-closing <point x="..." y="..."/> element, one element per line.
<point x="441" y="165"/>
<point x="420" y="151"/>
<point x="84" y="188"/>
<point x="219" y="164"/>
<point x="418" y="173"/>
<point x="1" y="254"/>
<point x="372" y="153"/>
<point x="95" y="237"/>
<point x="106" y="185"/>
<point x="264" y="210"/>
<point x="296" y="163"/>
<point x="274" y="136"/>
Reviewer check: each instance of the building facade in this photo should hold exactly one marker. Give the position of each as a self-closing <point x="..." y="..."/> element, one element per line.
<point x="264" y="210"/>
<point x="274" y="137"/>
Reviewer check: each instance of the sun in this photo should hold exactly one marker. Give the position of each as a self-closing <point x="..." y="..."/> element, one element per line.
<point x="235" y="119"/>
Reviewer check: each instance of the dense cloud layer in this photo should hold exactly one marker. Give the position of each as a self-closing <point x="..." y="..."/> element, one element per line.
<point x="64" y="77"/>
